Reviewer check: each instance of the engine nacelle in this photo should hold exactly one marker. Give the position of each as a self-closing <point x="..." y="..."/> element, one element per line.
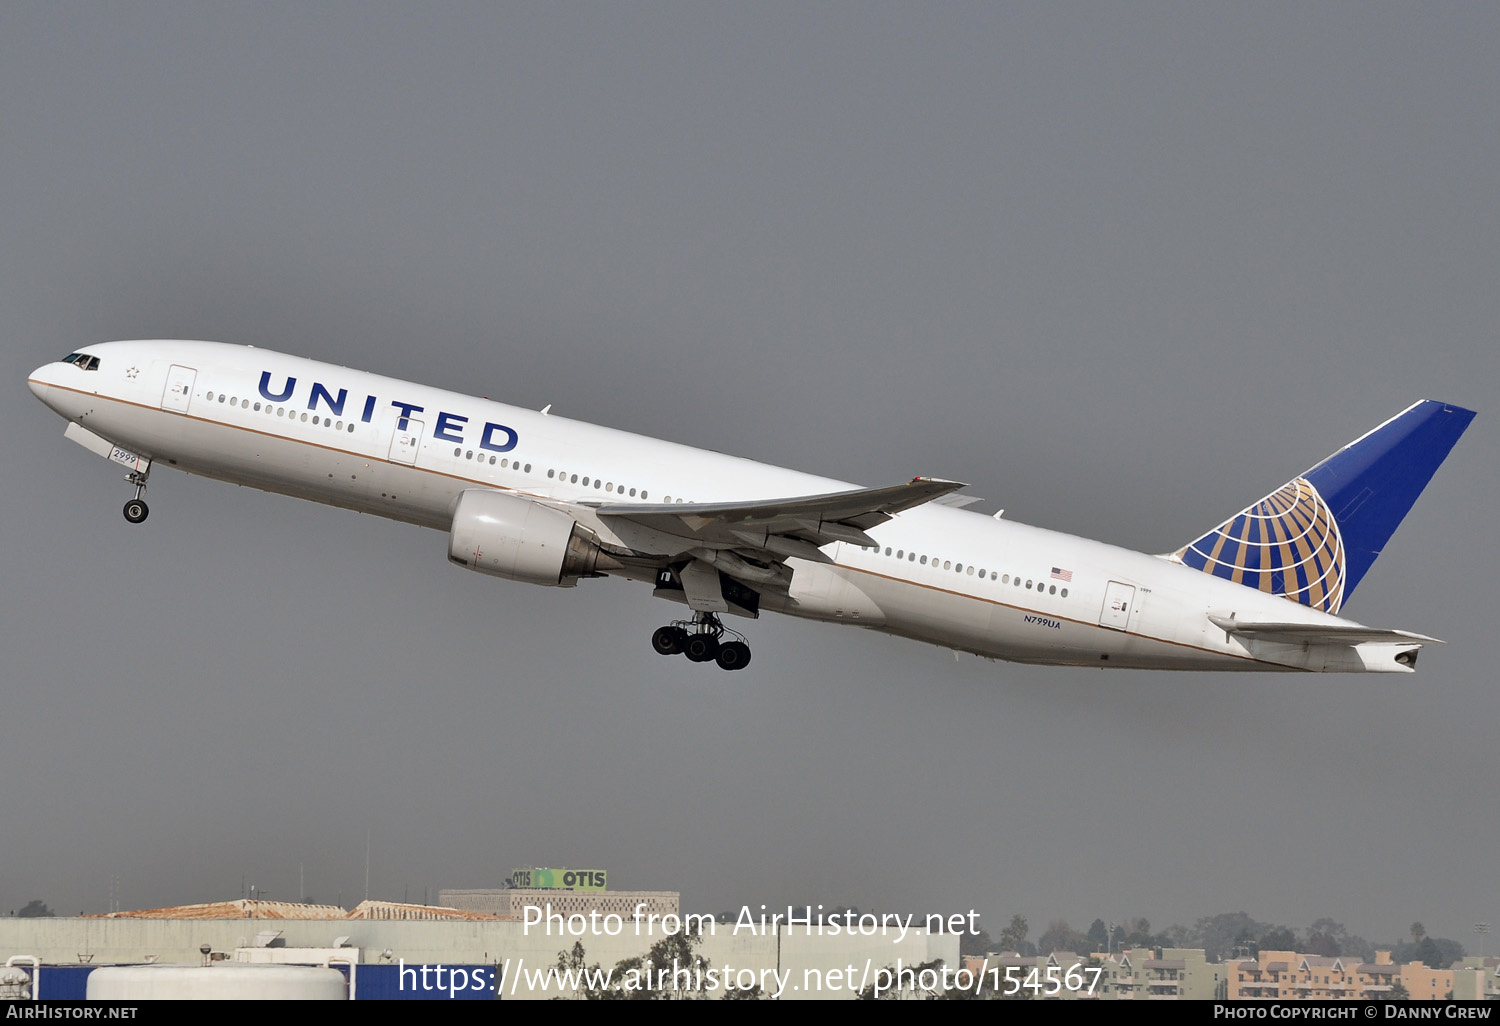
<point x="513" y="537"/>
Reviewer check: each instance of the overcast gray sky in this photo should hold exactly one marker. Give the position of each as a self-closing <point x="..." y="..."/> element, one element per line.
<point x="1125" y="268"/>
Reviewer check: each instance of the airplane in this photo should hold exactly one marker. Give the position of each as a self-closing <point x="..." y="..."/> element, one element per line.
<point x="542" y="499"/>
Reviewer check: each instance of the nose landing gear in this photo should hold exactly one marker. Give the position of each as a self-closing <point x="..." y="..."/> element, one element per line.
<point x="702" y="640"/>
<point x="136" y="509"/>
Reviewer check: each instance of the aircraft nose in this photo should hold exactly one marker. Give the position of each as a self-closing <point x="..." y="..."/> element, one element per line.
<point x="40" y="386"/>
<point x="45" y="383"/>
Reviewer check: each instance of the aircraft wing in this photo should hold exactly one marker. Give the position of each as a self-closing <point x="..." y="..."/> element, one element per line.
<point x="774" y="529"/>
<point x="1317" y="633"/>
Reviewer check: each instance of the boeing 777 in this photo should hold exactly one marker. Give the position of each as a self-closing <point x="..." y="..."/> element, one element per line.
<point x="546" y="500"/>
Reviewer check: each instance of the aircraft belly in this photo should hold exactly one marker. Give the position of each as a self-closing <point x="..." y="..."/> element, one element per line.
<point x="1017" y="634"/>
<point x="831" y="593"/>
<point x="308" y="469"/>
<point x="931" y="614"/>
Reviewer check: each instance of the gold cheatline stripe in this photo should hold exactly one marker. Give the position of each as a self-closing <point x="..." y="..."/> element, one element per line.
<point x="854" y="569"/>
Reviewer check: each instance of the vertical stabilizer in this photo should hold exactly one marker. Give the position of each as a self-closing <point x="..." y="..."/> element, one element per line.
<point x="1314" y="538"/>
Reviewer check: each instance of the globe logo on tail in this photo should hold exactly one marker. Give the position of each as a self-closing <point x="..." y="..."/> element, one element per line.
<point x="1286" y="544"/>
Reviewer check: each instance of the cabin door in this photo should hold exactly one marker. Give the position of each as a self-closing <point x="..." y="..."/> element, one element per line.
<point x="1118" y="598"/>
<point x="179" y="390"/>
<point x="406" y="442"/>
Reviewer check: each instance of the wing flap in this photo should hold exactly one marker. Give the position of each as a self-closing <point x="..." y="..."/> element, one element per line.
<point x="737" y="537"/>
<point x="819" y="519"/>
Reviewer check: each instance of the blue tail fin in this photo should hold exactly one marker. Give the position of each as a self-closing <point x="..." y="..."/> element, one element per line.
<point x="1313" y="539"/>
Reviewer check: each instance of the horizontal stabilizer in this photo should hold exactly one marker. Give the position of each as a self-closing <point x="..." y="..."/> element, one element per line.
<point x="1317" y="633"/>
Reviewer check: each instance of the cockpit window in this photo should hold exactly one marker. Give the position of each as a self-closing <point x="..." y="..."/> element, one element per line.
<point x="82" y="361"/>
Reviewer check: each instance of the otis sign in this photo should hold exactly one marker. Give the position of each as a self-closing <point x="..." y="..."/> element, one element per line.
<point x="559" y="879"/>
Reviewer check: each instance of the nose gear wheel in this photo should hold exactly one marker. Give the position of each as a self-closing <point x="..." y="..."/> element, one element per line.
<point x="136" y="509"/>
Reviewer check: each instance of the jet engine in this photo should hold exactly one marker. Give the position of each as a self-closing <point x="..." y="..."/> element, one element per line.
<point x="513" y="537"/>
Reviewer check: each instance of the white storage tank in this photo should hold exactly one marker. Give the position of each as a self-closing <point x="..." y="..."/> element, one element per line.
<point x="224" y="981"/>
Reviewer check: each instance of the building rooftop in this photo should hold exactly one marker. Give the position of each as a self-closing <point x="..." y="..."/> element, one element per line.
<point x="244" y="908"/>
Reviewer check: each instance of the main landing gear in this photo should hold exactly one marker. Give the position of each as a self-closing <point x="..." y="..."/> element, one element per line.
<point x="136" y="509"/>
<point x="702" y="640"/>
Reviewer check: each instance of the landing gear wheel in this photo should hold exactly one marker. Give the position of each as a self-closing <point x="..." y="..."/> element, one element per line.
<point x="733" y="655"/>
<point x="701" y="648"/>
<point x="703" y="639"/>
<point x="668" y="640"/>
<point x="136" y="509"/>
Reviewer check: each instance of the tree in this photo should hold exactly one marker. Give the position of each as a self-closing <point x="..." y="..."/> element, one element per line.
<point x="653" y="976"/>
<point x="650" y="977"/>
<point x="1320" y="943"/>
<point x="1433" y="952"/>
<point x="1279" y="939"/>
<point x="978" y="943"/>
<point x="1099" y="936"/>
<point x="1449" y="951"/>
<point x="1138" y="934"/>
<point x="1327" y="937"/>
<point x="1228" y="934"/>
<point x="36" y="909"/>
<point x="1356" y="948"/>
<point x="1014" y="935"/>
<point x="1418" y="931"/>
<point x="1061" y="937"/>
<point x="1439" y="952"/>
<point x="1331" y="927"/>
<point x="571" y="965"/>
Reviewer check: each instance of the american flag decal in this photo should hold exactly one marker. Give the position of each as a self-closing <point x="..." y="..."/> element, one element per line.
<point x="1062" y="575"/>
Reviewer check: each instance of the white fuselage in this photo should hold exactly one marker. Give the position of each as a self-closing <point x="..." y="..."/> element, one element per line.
<point x="406" y="451"/>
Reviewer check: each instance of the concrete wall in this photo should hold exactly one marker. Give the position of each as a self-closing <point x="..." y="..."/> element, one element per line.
<point x="810" y="966"/>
